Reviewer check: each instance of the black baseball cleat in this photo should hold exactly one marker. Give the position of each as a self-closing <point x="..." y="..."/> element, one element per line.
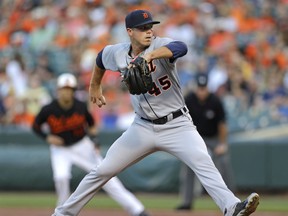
<point x="144" y="213"/>
<point x="246" y="207"/>
<point x="183" y="208"/>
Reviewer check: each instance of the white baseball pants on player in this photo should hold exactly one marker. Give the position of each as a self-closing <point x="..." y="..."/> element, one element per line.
<point x="84" y="155"/>
<point x="178" y="137"/>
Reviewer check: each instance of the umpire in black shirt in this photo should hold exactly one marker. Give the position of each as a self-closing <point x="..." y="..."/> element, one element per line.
<point x="208" y="115"/>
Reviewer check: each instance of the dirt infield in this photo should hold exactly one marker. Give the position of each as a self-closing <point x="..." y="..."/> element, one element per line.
<point x="95" y="212"/>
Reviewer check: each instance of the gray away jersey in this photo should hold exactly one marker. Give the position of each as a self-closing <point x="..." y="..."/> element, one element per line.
<point x="166" y="96"/>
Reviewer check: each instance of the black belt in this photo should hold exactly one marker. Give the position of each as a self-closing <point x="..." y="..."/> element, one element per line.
<point x="165" y="119"/>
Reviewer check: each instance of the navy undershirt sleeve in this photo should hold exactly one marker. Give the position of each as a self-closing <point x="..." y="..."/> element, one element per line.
<point x="178" y="48"/>
<point x="99" y="61"/>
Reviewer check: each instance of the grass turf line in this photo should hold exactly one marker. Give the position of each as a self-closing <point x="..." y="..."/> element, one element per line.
<point x="151" y="201"/>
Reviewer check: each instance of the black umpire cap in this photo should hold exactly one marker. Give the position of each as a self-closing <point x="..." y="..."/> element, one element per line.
<point x="138" y="18"/>
<point x="202" y="79"/>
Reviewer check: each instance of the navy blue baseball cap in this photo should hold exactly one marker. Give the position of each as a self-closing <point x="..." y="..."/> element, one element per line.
<point x="138" y="18"/>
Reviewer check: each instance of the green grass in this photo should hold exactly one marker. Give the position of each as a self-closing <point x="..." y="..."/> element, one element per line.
<point x="151" y="201"/>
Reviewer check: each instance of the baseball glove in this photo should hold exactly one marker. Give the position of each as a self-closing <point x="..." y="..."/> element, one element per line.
<point x="138" y="78"/>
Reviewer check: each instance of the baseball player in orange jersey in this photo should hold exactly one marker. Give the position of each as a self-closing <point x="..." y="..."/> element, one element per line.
<point x="162" y="121"/>
<point x="70" y="125"/>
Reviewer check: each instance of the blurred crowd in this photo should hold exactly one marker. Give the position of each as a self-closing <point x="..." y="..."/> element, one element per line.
<point x="241" y="44"/>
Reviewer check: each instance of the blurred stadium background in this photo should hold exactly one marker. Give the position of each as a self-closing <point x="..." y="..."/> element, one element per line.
<point x="241" y="44"/>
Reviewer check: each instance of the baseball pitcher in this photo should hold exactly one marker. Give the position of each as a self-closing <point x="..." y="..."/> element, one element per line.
<point x="162" y="121"/>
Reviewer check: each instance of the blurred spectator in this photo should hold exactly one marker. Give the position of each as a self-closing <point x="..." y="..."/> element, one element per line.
<point x="35" y="95"/>
<point x="22" y="117"/>
<point x="45" y="72"/>
<point x="15" y="70"/>
<point x="217" y="75"/>
<point x="6" y="94"/>
<point x="42" y="34"/>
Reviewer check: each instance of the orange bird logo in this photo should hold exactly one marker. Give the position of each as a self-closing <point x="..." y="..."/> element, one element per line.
<point x="145" y="15"/>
